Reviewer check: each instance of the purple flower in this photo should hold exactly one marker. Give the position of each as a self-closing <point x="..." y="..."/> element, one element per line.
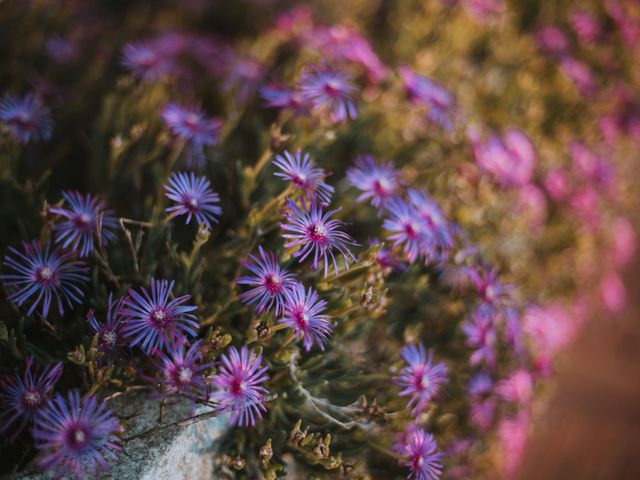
<point x="269" y="282"/>
<point x="279" y="96"/>
<point x="316" y="232"/>
<point x="111" y="334"/>
<point x="481" y="335"/>
<point x="42" y="276"/>
<point x="329" y="91"/>
<point x="242" y="74"/>
<point x="488" y="286"/>
<point x="405" y="227"/>
<point x="194" y="198"/>
<point x="421" y="379"/>
<point x="305" y="175"/>
<point x="437" y="238"/>
<point x="581" y="75"/>
<point x="85" y="219"/>
<point x="378" y="182"/>
<point x="425" y="461"/>
<point x="480" y="384"/>
<point x="585" y="25"/>
<point x="240" y="392"/>
<point x="26" y="118"/>
<point x="553" y="41"/>
<point x="511" y="159"/>
<point x="24" y="397"/>
<point x="387" y="258"/>
<point x="304" y="313"/>
<point x="77" y="434"/>
<point x="182" y="371"/>
<point x="156" y="320"/>
<point x="431" y="94"/>
<point x="146" y="60"/>
<point x="192" y="126"/>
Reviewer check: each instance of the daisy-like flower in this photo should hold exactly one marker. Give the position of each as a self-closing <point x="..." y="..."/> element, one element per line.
<point x="239" y="386"/>
<point x="24" y="396"/>
<point x="269" y="282"/>
<point x="26" y="119"/>
<point x="421" y="378"/>
<point x="304" y="313"/>
<point x="84" y="220"/>
<point x="378" y="182"/>
<point x="111" y="334"/>
<point x="406" y="228"/>
<point x="438" y="232"/>
<point x="488" y="286"/>
<point x="194" y="198"/>
<point x="146" y="60"/>
<point x="156" y="320"/>
<point x="42" y="276"/>
<point x="424" y="91"/>
<point x="329" y="91"/>
<point x="183" y="371"/>
<point x="280" y="96"/>
<point x="77" y="434"/>
<point x="425" y="460"/>
<point x="304" y="174"/>
<point x="481" y="335"/>
<point x="192" y="126"/>
<point x="315" y="232"/>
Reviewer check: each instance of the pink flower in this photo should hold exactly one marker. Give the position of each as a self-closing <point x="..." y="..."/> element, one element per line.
<point x="517" y="388"/>
<point x="613" y="293"/>
<point x="556" y="184"/>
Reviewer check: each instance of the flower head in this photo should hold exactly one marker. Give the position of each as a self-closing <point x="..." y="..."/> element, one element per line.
<point x="304" y="313"/>
<point x="518" y="387"/>
<point x="239" y="382"/>
<point x="278" y="96"/>
<point x="329" y="91"/>
<point x="84" y="220"/>
<point x="269" y="282"/>
<point x="303" y="173"/>
<point x="425" y="461"/>
<point x="314" y="231"/>
<point x="480" y="331"/>
<point x="438" y="235"/>
<point x="510" y="159"/>
<point x="431" y="94"/>
<point x="405" y="227"/>
<point x="194" y="198"/>
<point x="77" y="434"/>
<point x="182" y="371"/>
<point x="378" y="182"/>
<point x="146" y="60"/>
<point x="26" y="118"/>
<point x="42" y="276"/>
<point x="24" y="396"/>
<point x="421" y="378"/>
<point x="111" y="334"/>
<point x="156" y="320"/>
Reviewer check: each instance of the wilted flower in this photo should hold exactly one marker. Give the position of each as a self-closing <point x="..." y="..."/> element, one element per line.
<point x="194" y="198"/>
<point x="425" y="461"/>
<point x="77" y="434"/>
<point x="305" y="175"/>
<point x="111" y="333"/>
<point x="314" y="231"/>
<point x="269" y="281"/>
<point x="431" y="94"/>
<point x="44" y="276"/>
<point x="85" y="219"/>
<point x="156" y="320"/>
<point x="378" y="182"/>
<point x="26" y="119"/>
<point x="23" y="397"/>
<point x="192" y="126"/>
<point x="146" y="60"/>
<point x="304" y="313"/>
<point x="182" y="371"/>
<point x="239" y="382"/>
<point x="421" y="378"/>
<point x="329" y="91"/>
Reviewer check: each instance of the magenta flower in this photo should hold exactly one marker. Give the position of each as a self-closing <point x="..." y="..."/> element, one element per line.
<point x="552" y="41"/>
<point x="42" y="276"/>
<point x="431" y="94"/>
<point x="77" y="434"/>
<point x="510" y="159"/>
<point x="517" y="388"/>
<point x="424" y="460"/>
<point x="269" y="281"/>
<point x="85" y="220"/>
<point x="481" y="336"/>
<point x="24" y="397"/>
<point x="26" y="119"/>
<point x="194" y="198"/>
<point x="183" y="371"/>
<point x="304" y="313"/>
<point x="146" y="60"/>
<point x="378" y="182"/>
<point x="581" y="75"/>
<point x="329" y="91"/>
<point x="191" y="125"/>
<point x="303" y="173"/>
<point x="111" y="334"/>
<point x="239" y="386"/>
<point x="512" y="437"/>
<point x="157" y="320"/>
<point x="488" y="286"/>
<point x="586" y="26"/>
<point x="421" y="378"/>
<point x="387" y="259"/>
<point x="315" y="232"/>
<point x="405" y="228"/>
